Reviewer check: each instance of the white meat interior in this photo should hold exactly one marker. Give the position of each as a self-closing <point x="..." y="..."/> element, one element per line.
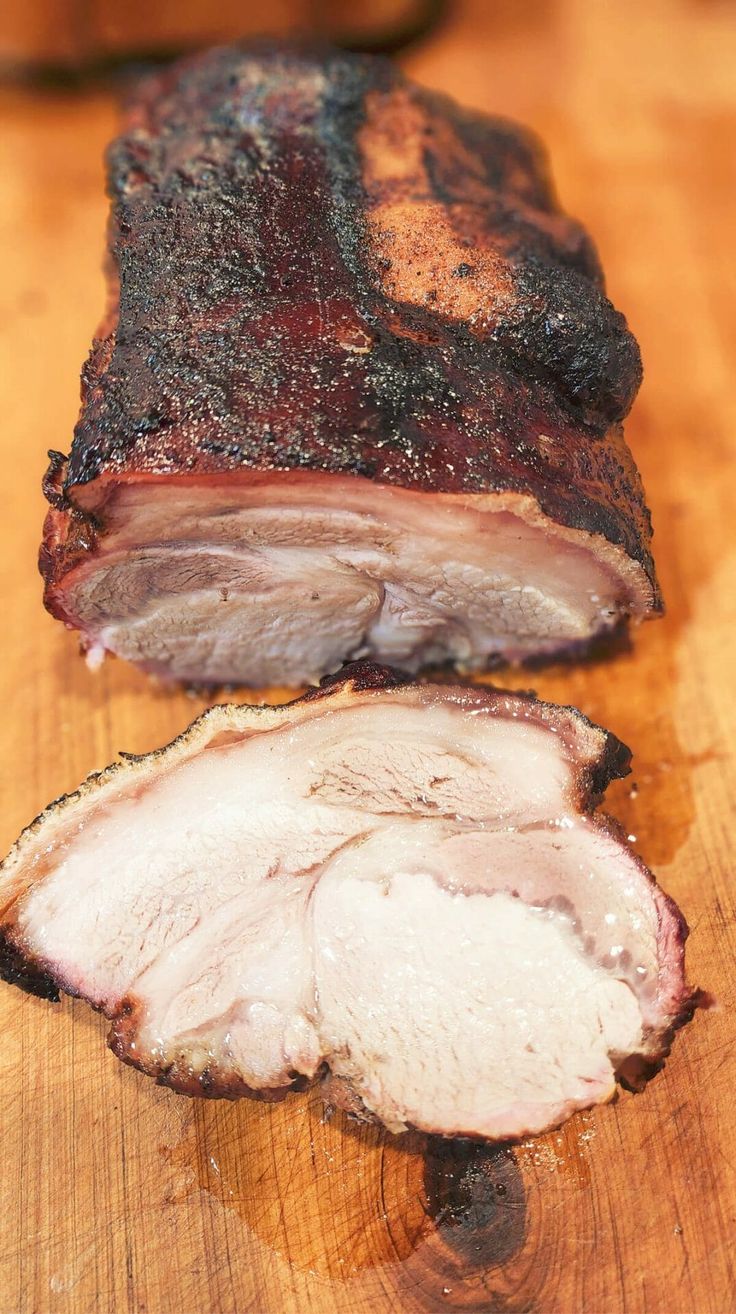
<point x="281" y="582"/>
<point x="399" y="887"/>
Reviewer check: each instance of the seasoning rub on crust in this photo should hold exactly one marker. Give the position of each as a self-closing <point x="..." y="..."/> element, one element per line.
<point x="359" y="390"/>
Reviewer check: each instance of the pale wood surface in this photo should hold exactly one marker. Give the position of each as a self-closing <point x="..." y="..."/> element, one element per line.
<point x="117" y="1196"/>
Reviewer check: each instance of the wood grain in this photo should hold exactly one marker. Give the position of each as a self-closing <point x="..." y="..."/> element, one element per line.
<point x="117" y="1196"/>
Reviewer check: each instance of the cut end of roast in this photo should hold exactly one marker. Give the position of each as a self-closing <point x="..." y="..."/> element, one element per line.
<point x="359" y="392"/>
<point x="278" y="580"/>
<point x="396" y="889"/>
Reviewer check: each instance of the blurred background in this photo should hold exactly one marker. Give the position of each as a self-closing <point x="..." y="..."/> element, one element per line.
<point x="82" y="35"/>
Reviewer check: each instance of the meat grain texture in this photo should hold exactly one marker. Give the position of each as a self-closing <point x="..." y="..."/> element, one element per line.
<point x="397" y="890"/>
<point x="358" y="392"/>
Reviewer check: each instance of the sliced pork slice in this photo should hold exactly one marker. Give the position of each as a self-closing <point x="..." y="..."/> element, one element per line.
<point x="397" y="889"/>
<point x="359" y="392"/>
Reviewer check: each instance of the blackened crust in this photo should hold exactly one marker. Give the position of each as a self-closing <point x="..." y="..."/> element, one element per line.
<point x="260" y="326"/>
<point x="19" y="969"/>
<point x="638" y="1069"/>
<point x="209" y="1081"/>
<point x="361" y="676"/>
<point x="614" y="764"/>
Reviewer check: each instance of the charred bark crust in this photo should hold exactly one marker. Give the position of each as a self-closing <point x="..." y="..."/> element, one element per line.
<point x="253" y="325"/>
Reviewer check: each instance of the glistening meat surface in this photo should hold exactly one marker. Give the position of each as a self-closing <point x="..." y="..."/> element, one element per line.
<point x="278" y="580"/>
<point x="395" y="889"/>
<point x="359" y="391"/>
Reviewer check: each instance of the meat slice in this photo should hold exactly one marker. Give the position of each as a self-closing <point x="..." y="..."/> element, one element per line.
<point x="359" y="390"/>
<point x="396" y="889"/>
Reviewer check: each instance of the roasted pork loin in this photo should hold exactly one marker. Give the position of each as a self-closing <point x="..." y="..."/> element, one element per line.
<point x="396" y="889"/>
<point x="358" y="393"/>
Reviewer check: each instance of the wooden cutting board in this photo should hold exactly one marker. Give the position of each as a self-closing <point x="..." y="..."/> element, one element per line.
<point x="118" y="1196"/>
